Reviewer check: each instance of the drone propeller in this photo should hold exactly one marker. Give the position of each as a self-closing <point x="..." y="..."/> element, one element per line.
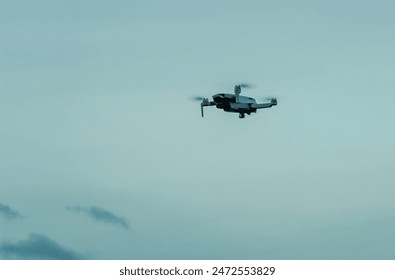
<point x="246" y="85"/>
<point x="272" y="100"/>
<point x="197" y="98"/>
<point x="267" y="98"/>
<point x="205" y="102"/>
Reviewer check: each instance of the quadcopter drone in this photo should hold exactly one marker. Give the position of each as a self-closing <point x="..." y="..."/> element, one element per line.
<point x="236" y="103"/>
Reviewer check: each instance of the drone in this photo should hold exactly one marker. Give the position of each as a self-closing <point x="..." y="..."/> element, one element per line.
<point x="236" y="103"/>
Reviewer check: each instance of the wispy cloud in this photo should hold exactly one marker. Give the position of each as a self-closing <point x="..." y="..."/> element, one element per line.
<point x="102" y="215"/>
<point x="8" y="213"/>
<point x="37" y="247"/>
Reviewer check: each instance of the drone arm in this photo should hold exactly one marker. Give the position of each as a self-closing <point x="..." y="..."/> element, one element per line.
<point x="205" y="102"/>
<point x="237" y="92"/>
<point x="261" y="106"/>
<point x="273" y="102"/>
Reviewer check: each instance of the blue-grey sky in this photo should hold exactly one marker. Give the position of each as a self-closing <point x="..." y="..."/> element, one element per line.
<point x="96" y="117"/>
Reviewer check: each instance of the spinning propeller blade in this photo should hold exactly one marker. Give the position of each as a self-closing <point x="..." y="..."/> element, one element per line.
<point x="272" y="100"/>
<point x="246" y="85"/>
<point x="197" y="98"/>
<point x="266" y="99"/>
<point x="204" y="102"/>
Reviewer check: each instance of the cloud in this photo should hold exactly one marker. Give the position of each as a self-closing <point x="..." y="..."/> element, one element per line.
<point x="9" y="213"/>
<point x="102" y="215"/>
<point x="37" y="247"/>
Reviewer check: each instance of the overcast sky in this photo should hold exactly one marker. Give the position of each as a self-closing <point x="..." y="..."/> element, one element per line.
<point x="103" y="154"/>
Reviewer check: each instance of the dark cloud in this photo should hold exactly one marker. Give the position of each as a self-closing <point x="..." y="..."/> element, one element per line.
<point x="9" y="213"/>
<point x="37" y="247"/>
<point x="102" y="215"/>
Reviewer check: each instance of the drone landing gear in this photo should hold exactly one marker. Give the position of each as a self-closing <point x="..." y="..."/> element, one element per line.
<point x="241" y="115"/>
